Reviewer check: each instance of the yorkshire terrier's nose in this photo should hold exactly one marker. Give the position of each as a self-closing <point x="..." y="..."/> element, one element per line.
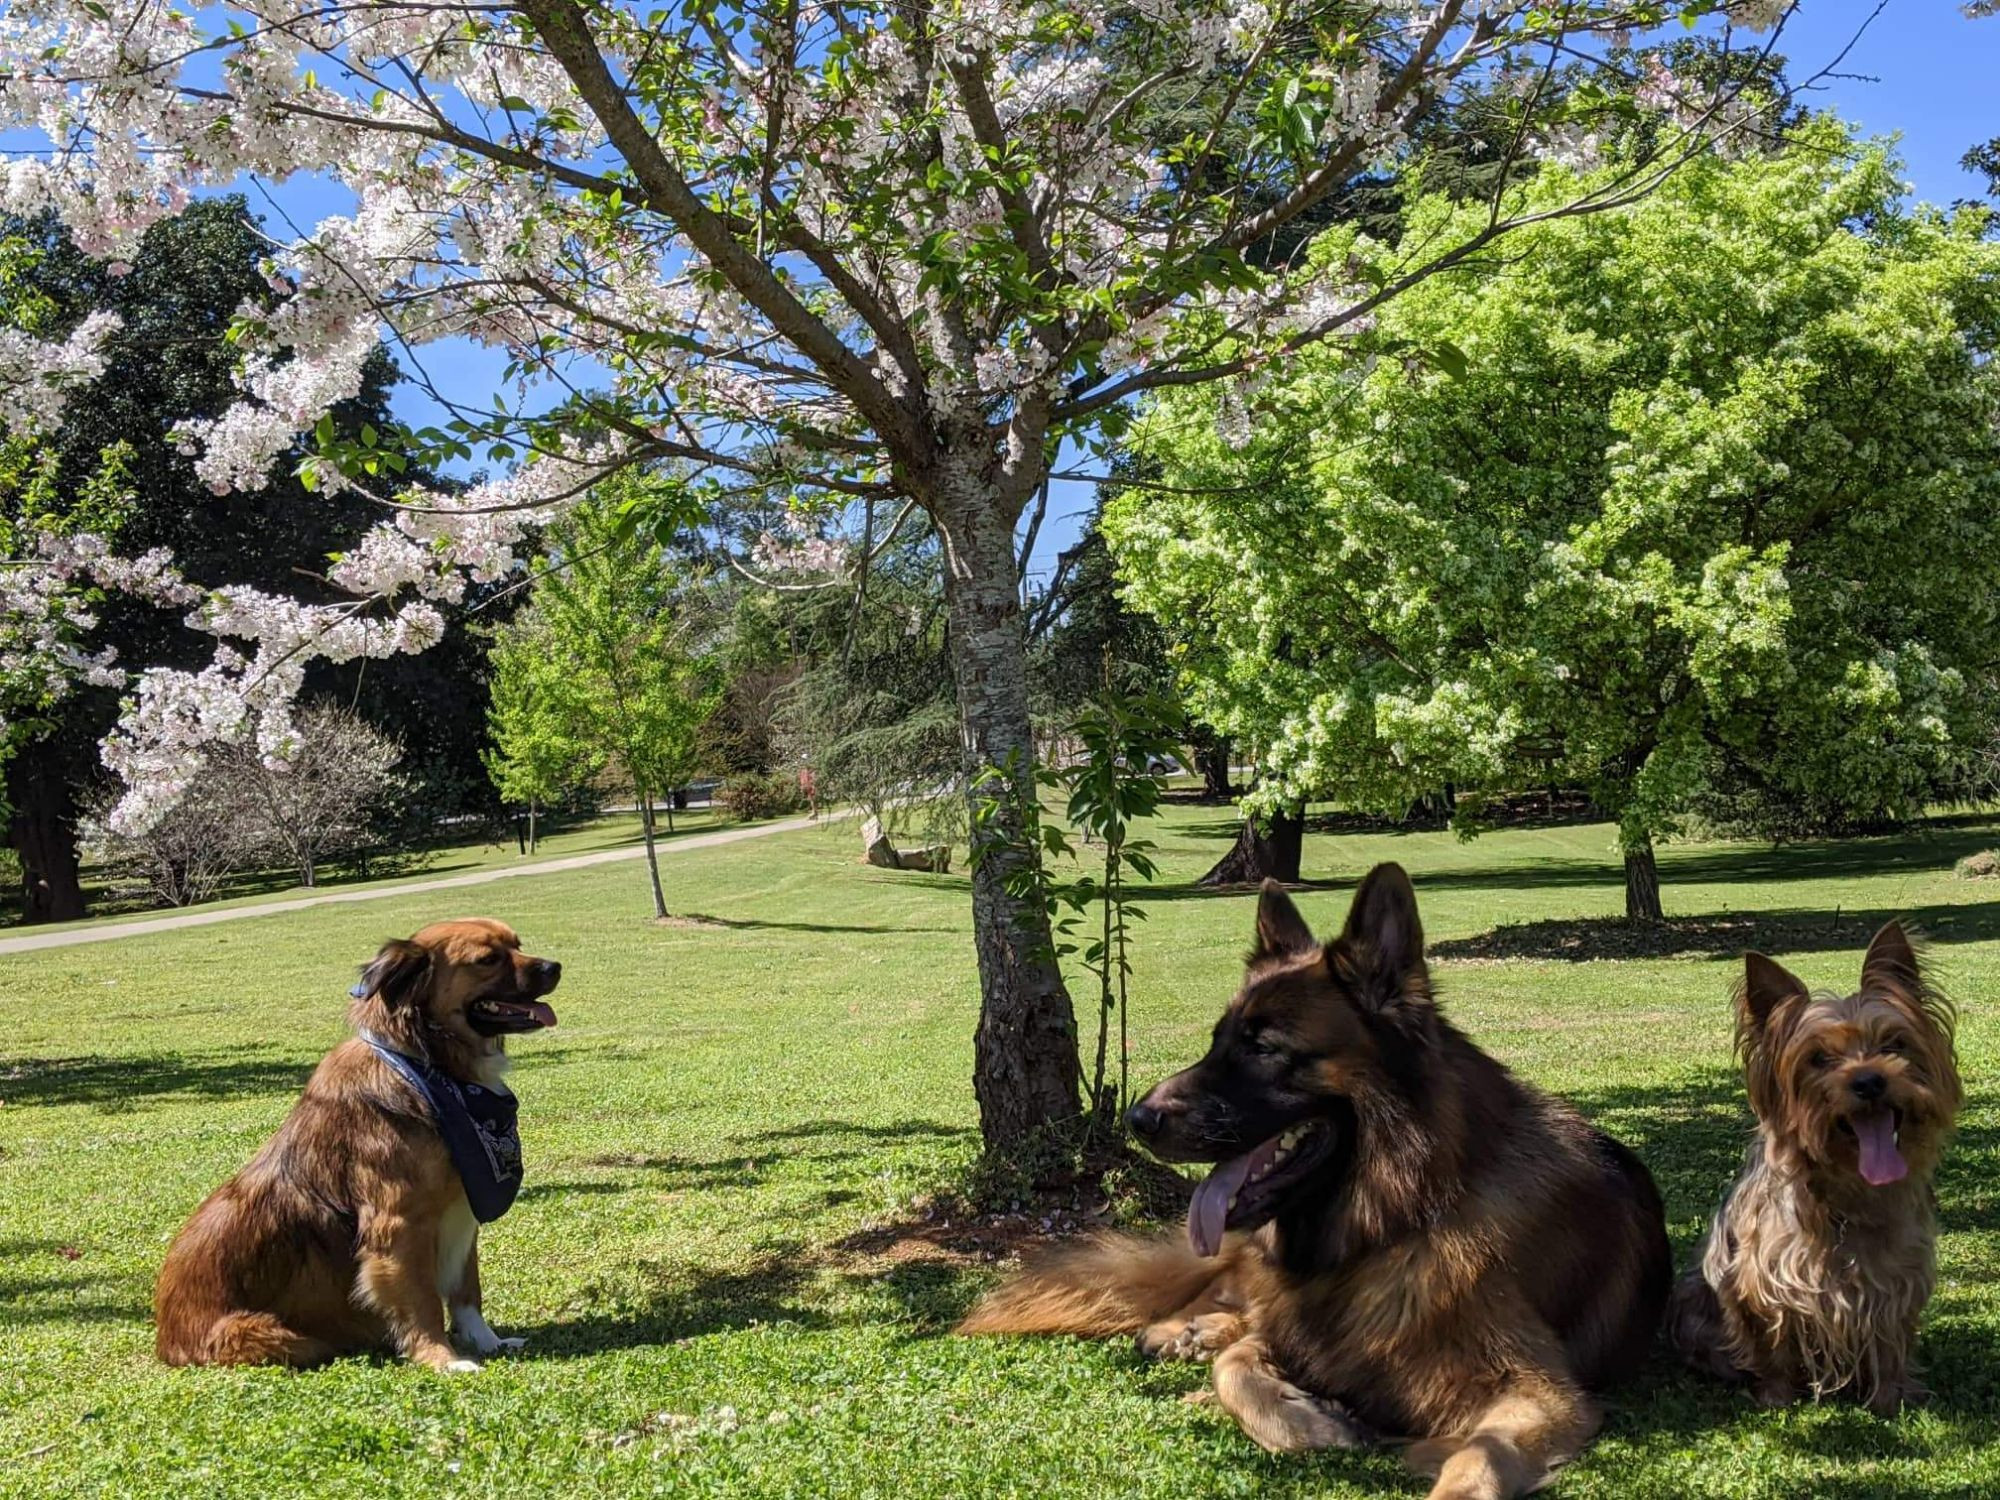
<point x="1868" y="1086"/>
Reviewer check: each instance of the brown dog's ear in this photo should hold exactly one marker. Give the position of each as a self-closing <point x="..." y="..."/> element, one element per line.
<point x="1891" y="963"/>
<point x="1281" y="931"/>
<point x="396" y="974"/>
<point x="1767" y="984"/>
<point x="1382" y="946"/>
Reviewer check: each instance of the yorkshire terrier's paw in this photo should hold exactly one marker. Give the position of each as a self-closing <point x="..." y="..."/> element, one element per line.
<point x="1899" y="1395"/>
<point x="1774" y="1391"/>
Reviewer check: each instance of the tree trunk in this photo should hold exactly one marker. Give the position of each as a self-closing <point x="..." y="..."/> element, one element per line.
<point x="1642" y="884"/>
<point x="533" y="808"/>
<point x="670" y="812"/>
<point x="1270" y="851"/>
<point x="43" y="833"/>
<point x="1215" y="785"/>
<point x="1026" y="1072"/>
<point x="652" y="857"/>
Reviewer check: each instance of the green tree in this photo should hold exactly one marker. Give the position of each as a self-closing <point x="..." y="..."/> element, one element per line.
<point x="617" y="653"/>
<point x="537" y="757"/>
<point x="1704" y="493"/>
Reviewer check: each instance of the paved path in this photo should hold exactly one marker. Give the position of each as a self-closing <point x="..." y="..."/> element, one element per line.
<point x="109" y="930"/>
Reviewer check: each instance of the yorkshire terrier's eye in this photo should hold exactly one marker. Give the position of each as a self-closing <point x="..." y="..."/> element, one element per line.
<point x="1819" y="1059"/>
<point x="1893" y="1045"/>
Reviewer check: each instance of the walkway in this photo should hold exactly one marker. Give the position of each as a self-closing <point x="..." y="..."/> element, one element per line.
<point x="30" y="942"/>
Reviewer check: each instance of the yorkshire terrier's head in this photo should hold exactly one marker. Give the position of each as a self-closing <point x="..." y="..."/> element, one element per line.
<point x="1866" y="1083"/>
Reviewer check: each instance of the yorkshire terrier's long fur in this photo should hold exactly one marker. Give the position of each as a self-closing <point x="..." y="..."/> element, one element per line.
<point x="1822" y="1256"/>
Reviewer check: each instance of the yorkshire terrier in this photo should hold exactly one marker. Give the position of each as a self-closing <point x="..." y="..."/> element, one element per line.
<point x="1822" y="1256"/>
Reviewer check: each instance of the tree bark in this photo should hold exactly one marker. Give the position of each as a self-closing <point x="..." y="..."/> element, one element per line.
<point x="652" y="857"/>
<point x="43" y="833"/>
<point x="1642" y="884"/>
<point x="1026" y="1071"/>
<point x="1215" y="785"/>
<point x="1268" y="851"/>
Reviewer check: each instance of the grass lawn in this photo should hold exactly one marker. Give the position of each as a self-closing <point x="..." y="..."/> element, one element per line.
<point x="591" y="836"/>
<point x="726" y="1112"/>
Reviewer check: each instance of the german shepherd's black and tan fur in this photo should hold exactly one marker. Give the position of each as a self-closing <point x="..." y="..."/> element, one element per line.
<point x="1399" y="1239"/>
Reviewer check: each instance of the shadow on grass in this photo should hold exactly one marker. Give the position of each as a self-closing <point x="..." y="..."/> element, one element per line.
<point x="748" y="924"/>
<point x="115" y="1084"/>
<point x="1587" y="939"/>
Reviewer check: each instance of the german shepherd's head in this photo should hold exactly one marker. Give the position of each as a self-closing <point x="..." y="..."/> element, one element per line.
<point x="453" y="992"/>
<point x="1315" y="1028"/>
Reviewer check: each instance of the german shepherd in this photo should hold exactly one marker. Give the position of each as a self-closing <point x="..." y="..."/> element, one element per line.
<point x="1399" y="1237"/>
<point x="352" y="1228"/>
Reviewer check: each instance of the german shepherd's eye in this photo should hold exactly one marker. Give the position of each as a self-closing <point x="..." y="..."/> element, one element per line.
<point x="1264" y="1044"/>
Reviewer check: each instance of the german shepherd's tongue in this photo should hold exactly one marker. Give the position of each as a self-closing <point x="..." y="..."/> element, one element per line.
<point x="1881" y="1162"/>
<point x="1208" y="1214"/>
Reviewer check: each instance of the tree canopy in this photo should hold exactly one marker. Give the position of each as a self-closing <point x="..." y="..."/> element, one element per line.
<point x="1705" y="493"/>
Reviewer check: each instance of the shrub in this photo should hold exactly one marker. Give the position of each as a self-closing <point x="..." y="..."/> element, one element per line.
<point x="1981" y="866"/>
<point x="750" y="797"/>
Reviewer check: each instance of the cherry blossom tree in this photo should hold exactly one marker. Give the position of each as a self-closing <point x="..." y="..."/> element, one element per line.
<point x="841" y="250"/>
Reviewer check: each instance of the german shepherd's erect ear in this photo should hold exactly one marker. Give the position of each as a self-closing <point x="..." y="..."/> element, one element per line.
<point x="1281" y="931"/>
<point x="1380" y="952"/>
<point x="396" y="974"/>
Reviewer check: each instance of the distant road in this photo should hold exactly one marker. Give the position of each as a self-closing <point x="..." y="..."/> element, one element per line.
<point x="30" y="942"/>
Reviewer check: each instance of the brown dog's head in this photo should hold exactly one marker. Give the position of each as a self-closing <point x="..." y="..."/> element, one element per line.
<point x="1314" y="1028"/>
<point x="454" y="990"/>
<point x="1866" y="1083"/>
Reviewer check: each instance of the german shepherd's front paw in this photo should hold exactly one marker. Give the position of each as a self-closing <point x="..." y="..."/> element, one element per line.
<point x="1297" y="1421"/>
<point x="1196" y="1339"/>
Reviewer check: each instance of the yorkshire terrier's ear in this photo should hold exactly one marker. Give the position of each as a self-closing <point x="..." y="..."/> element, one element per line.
<point x="1891" y="963"/>
<point x="1281" y="931"/>
<point x="1767" y="984"/>
<point x="396" y="974"/>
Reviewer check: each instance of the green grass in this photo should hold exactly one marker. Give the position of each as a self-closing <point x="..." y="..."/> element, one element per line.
<point x="724" y="1108"/>
<point x="255" y="888"/>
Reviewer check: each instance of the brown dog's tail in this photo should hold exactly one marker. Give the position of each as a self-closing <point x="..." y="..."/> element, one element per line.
<point x="1109" y="1284"/>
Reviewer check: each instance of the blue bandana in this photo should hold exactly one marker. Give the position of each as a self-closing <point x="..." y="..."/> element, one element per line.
<point x="479" y="1125"/>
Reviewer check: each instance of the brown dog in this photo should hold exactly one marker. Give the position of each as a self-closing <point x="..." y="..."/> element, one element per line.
<point x="1400" y="1236"/>
<point x="359" y="1220"/>
<point x="1820" y="1260"/>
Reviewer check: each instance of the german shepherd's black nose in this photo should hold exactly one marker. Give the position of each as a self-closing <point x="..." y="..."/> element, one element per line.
<point x="1144" y="1119"/>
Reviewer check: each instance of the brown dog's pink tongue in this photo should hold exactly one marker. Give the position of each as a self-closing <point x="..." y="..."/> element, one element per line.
<point x="542" y="1011"/>
<point x="1208" y="1215"/>
<point x="1881" y="1162"/>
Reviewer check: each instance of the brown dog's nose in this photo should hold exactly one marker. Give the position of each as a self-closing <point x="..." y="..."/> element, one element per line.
<point x="1144" y="1119"/>
<point x="546" y="972"/>
<point x="1868" y="1086"/>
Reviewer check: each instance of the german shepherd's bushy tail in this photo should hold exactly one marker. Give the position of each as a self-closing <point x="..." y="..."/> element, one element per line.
<point x="1110" y="1284"/>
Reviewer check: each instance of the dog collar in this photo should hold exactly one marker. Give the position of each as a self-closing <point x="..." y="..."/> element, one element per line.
<point x="480" y="1127"/>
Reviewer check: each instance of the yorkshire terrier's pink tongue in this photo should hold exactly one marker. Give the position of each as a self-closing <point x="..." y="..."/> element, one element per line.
<point x="1881" y="1162"/>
